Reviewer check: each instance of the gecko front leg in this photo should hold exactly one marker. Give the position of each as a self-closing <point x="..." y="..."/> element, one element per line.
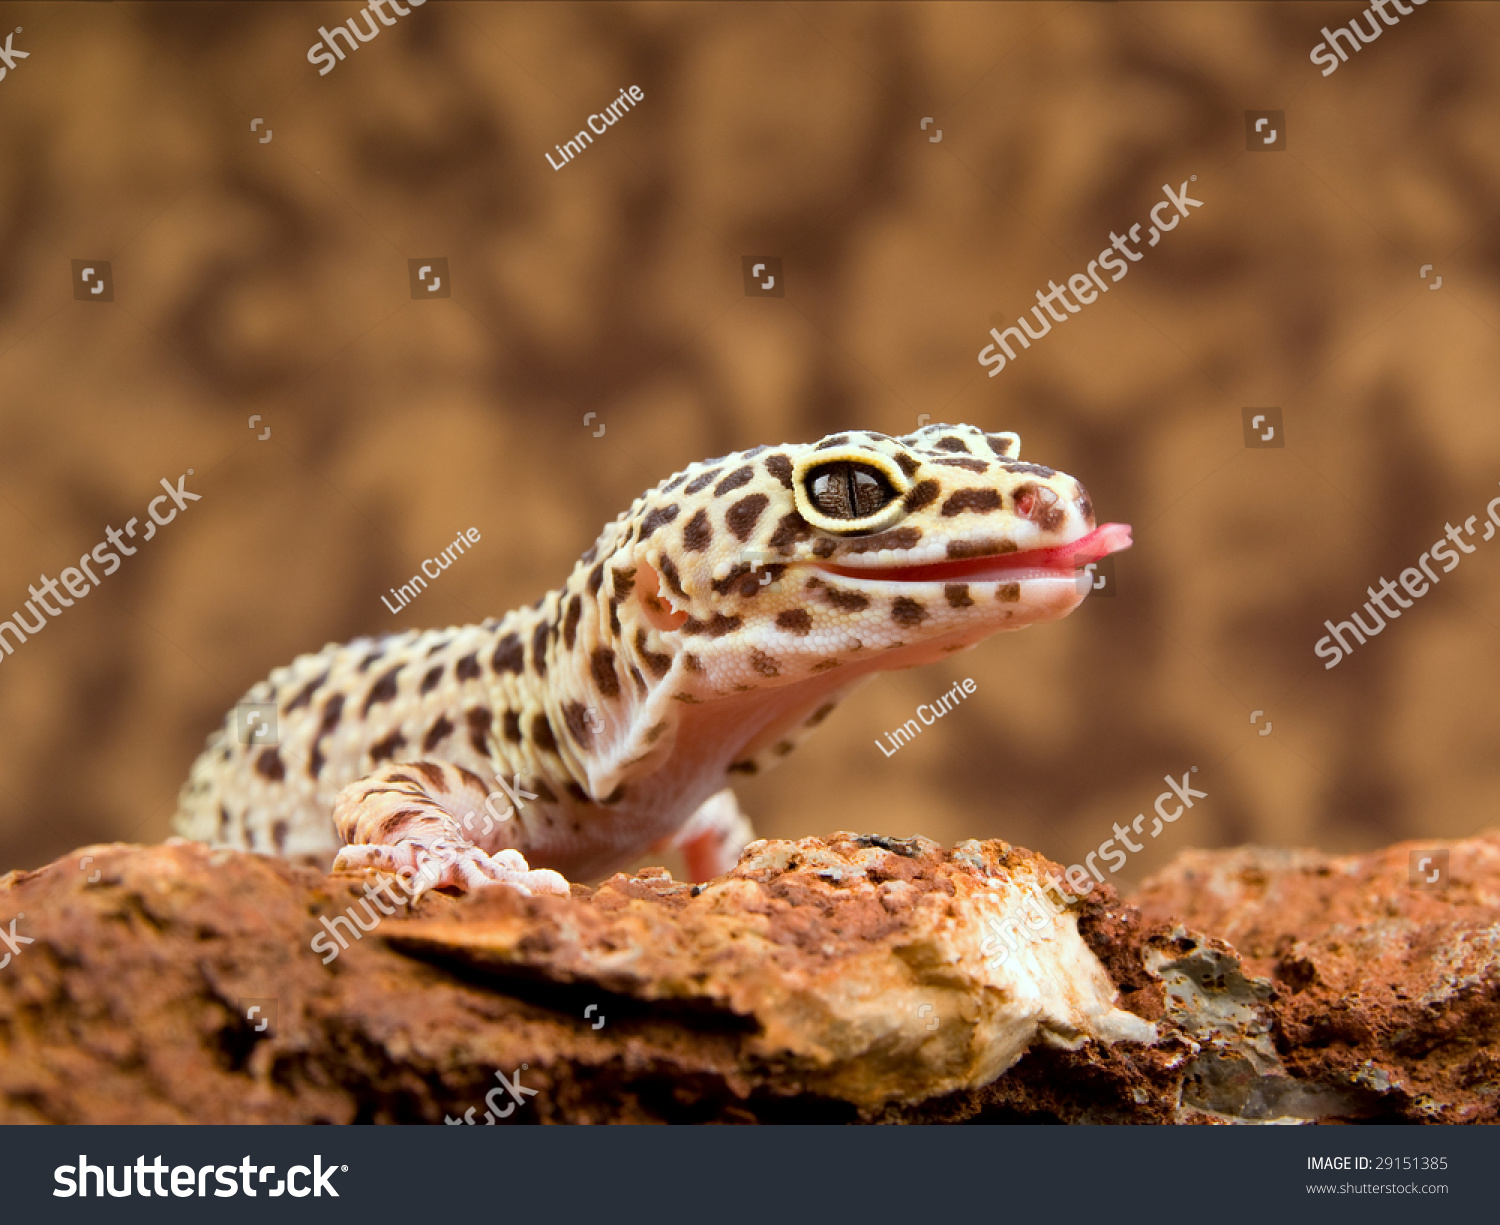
<point x="410" y="817"/>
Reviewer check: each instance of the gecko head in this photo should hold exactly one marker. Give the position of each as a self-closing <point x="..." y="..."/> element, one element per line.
<point x="860" y="551"/>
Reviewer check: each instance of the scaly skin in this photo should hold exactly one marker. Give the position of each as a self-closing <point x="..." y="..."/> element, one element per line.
<point x="711" y="625"/>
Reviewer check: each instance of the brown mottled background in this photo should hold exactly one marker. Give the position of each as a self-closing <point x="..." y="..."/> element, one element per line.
<point x="271" y="279"/>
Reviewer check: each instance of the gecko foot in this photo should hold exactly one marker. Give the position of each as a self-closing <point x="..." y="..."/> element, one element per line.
<point x="446" y="864"/>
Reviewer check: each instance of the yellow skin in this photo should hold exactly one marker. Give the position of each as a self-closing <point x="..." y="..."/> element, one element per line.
<point x="711" y="625"/>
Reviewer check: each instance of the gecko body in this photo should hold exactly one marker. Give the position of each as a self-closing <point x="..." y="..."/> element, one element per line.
<point x="707" y="629"/>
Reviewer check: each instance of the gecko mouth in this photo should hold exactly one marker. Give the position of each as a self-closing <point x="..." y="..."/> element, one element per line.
<point x="1060" y="561"/>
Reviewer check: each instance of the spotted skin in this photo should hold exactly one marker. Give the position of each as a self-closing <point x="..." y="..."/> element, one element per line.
<point x="709" y="627"/>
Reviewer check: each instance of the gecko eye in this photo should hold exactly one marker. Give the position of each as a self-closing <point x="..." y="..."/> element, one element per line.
<point x="845" y="490"/>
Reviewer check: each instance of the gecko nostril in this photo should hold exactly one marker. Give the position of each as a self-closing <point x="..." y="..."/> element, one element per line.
<point x="1035" y="502"/>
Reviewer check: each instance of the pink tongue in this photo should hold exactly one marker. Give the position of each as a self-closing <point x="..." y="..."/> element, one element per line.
<point x="1102" y="541"/>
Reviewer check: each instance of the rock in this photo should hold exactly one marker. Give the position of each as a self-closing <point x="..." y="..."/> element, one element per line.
<point x="848" y="979"/>
<point x="1386" y="985"/>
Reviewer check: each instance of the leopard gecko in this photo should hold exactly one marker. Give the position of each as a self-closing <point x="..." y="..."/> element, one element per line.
<point x="706" y="631"/>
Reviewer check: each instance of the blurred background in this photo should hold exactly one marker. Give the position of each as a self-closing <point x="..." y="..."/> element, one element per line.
<point x="259" y="280"/>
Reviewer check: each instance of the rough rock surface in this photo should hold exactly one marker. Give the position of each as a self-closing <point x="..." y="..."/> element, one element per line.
<point x="1387" y="984"/>
<point x="857" y="978"/>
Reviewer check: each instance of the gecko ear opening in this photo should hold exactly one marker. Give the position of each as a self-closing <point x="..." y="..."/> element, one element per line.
<point x="658" y="613"/>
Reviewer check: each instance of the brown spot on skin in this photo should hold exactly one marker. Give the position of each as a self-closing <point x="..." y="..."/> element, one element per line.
<point x="390" y="828"/>
<point x="716" y="628"/>
<point x="692" y="663"/>
<point x="1008" y="593"/>
<point x="510" y="726"/>
<point x="304" y="695"/>
<point x="467" y="668"/>
<point x="364" y="664"/>
<point x="901" y="538"/>
<point x="615" y="796"/>
<point x="539" y="648"/>
<point x="268" y="765"/>
<point x="624" y="581"/>
<point x="782" y="748"/>
<point x="923" y="493"/>
<point x="509" y="656"/>
<point x="790" y="530"/>
<point x="959" y="550"/>
<point x="576" y="716"/>
<point x="780" y="467"/>
<point x="570" y="621"/>
<point x="332" y="709"/>
<point x="578" y="793"/>
<point x="958" y="595"/>
<point x="907" y="463"/>
<point x="742" y="767"/>
<point x="385" y="749"/>
<point x="722" y="586"/>
<point x="906" y="611"/>
<point x="686" y="697"/>
<point x="698" y="534"/>
<point x="742" y="517"/>
<point x="437" y="646"/>
<point x="973" y="465"/>
<point x="837" y="440"/>
<point x="825" y="546"/>
<point x="674" y="482"/>
<point x="382" y="690"/>
<point x="722" y="625"/>
<point x="949" y="443"/>
<point x="826" y="665"/>
<point x="702" y="481"/>
<point x="1085" y="506"/>
<point x="430" y="681"/>
<point x="479" y="719"/>
<point x="659" y="517"/>
<point x="437" y="781"/>
<point x="224" y="820"/>
<point x="658" y="664"/>
<point x="542" y="791"/>
<point x="763" y="663"/>
<point x="541" y="733"/>
<point x="674" y="580"/>
<point x="974" y="501"/>
<point x="737" y="479"/>
<point x="846" y="601"/>
<point x="596" y="579"/>
<point x="1029" y="469"/>
<point x="602" y="668"/>
<point x="403" y="778"/>
<point x="1003" y="448"/>
<point x="436" y="734"/>
<point x="279" y="832"/>
<point x="640" y="681"/>
<point x="820" y="714"/>
<point x="471" y="780"/>
<point x="315" y="761"/>
<point x="794" y="621"/>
